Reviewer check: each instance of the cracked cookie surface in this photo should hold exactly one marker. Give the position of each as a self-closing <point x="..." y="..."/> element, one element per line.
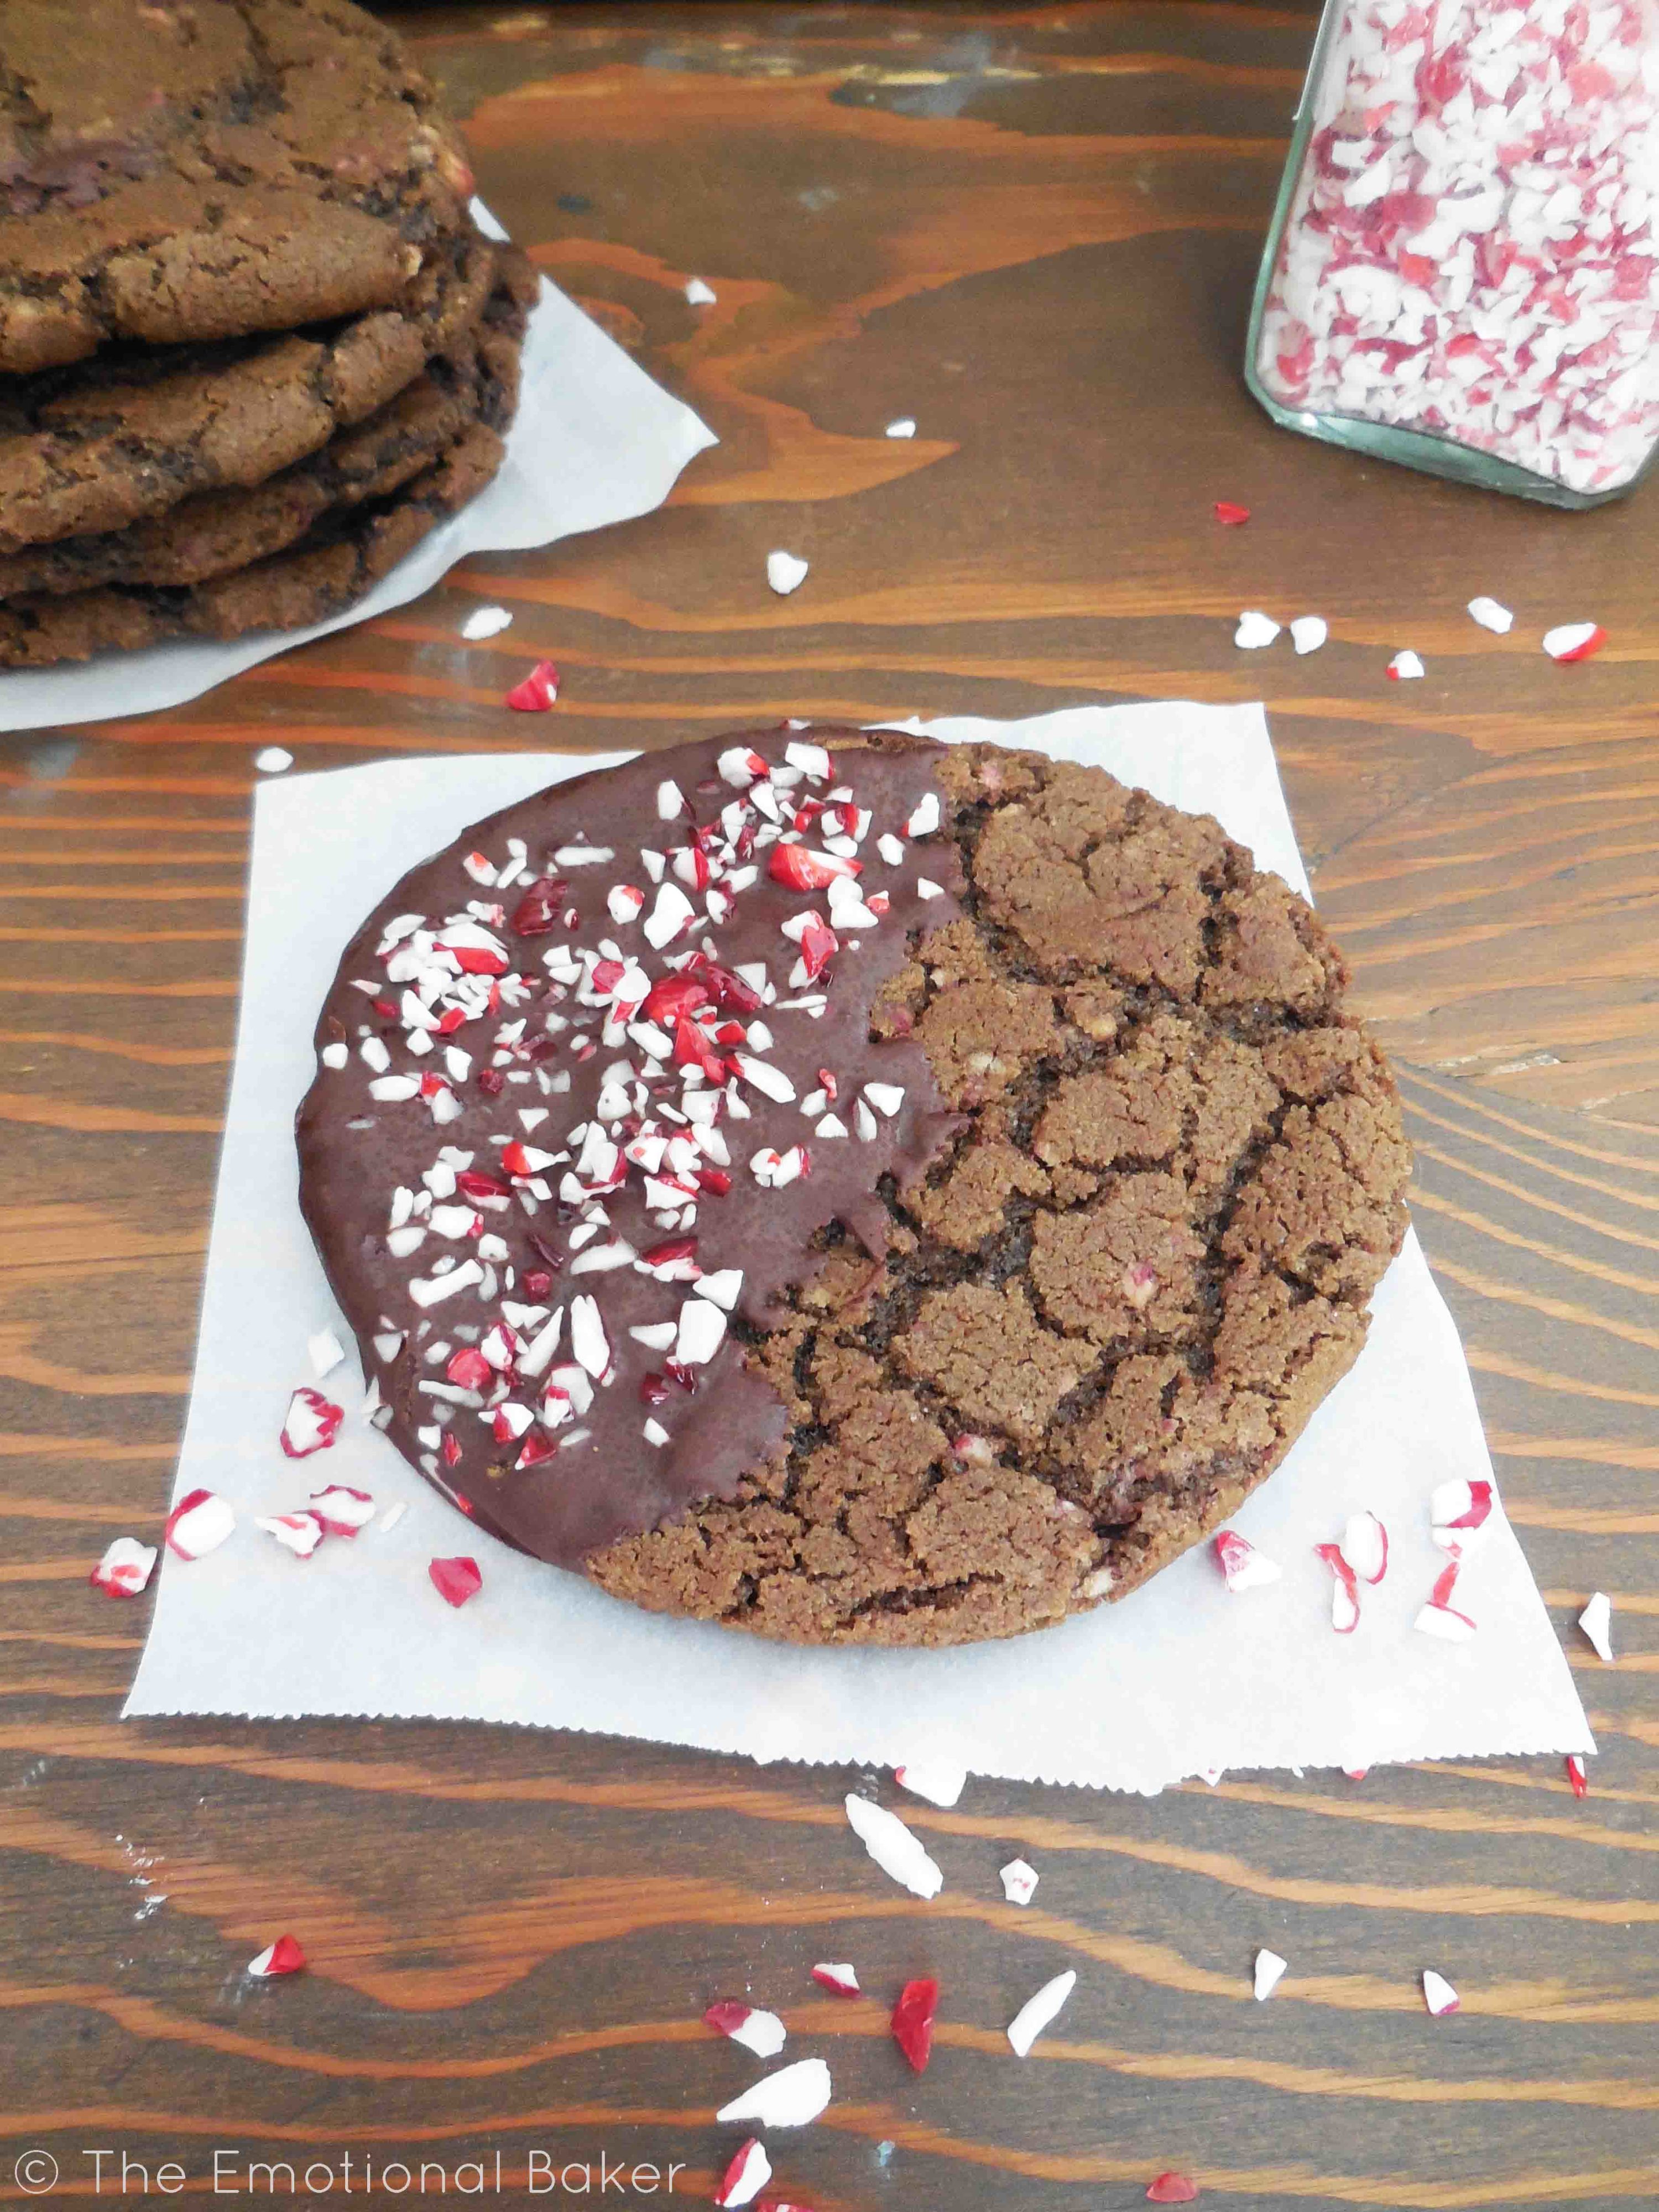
<point x="1069" y="1306"/>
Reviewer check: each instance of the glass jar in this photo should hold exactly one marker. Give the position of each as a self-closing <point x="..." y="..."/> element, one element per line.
<point x="1463" y="269"/>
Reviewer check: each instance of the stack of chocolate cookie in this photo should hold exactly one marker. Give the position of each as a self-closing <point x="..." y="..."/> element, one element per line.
<point x="252" y="348"/>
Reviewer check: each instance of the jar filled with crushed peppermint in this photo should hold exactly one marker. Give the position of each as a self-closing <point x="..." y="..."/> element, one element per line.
<point x="1463" y="269"/>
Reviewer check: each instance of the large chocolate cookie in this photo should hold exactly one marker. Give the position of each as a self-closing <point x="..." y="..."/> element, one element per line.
<point x="173" y="170"/>
<point x="850" y="1188"/>
<point x="130" y="434"/>
<point x="215" y="531"/>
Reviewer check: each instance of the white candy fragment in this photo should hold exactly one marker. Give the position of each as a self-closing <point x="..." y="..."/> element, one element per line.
<point x="698" y="294"/>
<point x="299" y="1533"/>
<point x="334" y="1055"/>
<point x="1445" y="1622"/>
<point x="1491" y="615"/>
<point x="723" y="1287"/>
<point x="342" y="1509"/>
<point x="1405" y="667"/>
<point x="1255" y="630"/>
<point x="904" y="428"/>
<point x="124" y="1569"/>
<point x="939" y="1783"/>
<point x="1596" y="1621"/>
<point x="1573" y="641"/>
<point x="273" y="761"/>
<point x="1037" y="2013"/>
<point x="894" y="1849"/>
<point x="785" y="573"/>
<point x="1019" y="1881"/>
<point x="924" y="816"/>
<point x="699" y="1332"/>
<point x="326" y="1352"/>
<point x="485" y="622"/>
<point x="1309" y="632"/>
<point x="1270" y="1970"/>
<point x="1243" y="1566"/>
<point x="1365" y="1546"/>
<point x="886" y="1097"/>
<point x="199" y="1524"/>
<point x="433" y="1290"/>
<point x="788" y="2098"/>
<point x="1438" y="1994"/>
<point x="588" y="1340"/>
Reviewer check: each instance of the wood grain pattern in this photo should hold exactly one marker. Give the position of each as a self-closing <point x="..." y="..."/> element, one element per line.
<point x="1033" y="228"/>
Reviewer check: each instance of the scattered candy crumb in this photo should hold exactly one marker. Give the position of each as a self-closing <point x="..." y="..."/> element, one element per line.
<point x="311" y="1423"/>
<point x="274" y="760"/>
<point x="748" y="2172"/>
<point x="1039" y="2011"/>
<point x="199" y="1524"/>
<point x="1255" y="630"/>
<point x="894" y="1849"/>
<point x="1231" y="515"/>
<point x="485" y="622"/>
<point x="1492" y="615"/>
<point x="785" y="573"/>
<point x="1243" y="1567"/>
<point x="1269" y="1972"/>
<point x="284" y="1956"/>
<point x="904" y="428"/>
<point x="325" y="1351"/>
<point x="763" y="2033"/>
<point x="1309" y="632"/>
<point x="939" y="1783"/>
<point x="1438" y="1994"/>
<point x="1019" y="1881"/>
<point x="1365" y="1546"/>
<point x="1574" y="641"/>
<point x="1405" y="667"/>
<point x="124" y="1569"/>
<point x="836" y="1976"/>
<point x="699" y="292"/>
<point x="537" y="693"/>
<point x="1173" y="2189"/>
<point x="1344" y="1590"/>
<point x="1596" y="1621"/>
<point x="788" y="2098"/>
<point x="455" y="1580"/>
<point x="1577" y="1780"/>
<point x="912" y="2022"/>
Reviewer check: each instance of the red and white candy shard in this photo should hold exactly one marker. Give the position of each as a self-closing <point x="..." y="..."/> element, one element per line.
<point x="1405" y="667"/>
<point x="342" y="1509"/>
<point x="124" y="1569"/>
<point x="310" y="1424"/>
<point x="835" y="1975"/>
<point x="791" y="2098"/>
<point x="1344" y="1590"/>
<point x="284" y="1956"/>
<point x="1172" y="2189"/>
<point x="1039" y="2011"/>
<point x="1458" y="1515"/>
<point x="1440" y="1617"/>
<point x="893" y="1847"/>
<point x="299" y="1533"/>
<point x="1577" y="1780"/>
<point x="1019" y="1881"/>
<point x="747" y="2175"/>
<point x="199" y="1524"/>
<point x="1267" y="1973"/>
<point x="1492" y="615"/>
<point x="1574" y="641"/>
<point x="537" y="693"/>
<point x="1255" y="630"/>
<point x="934" y="1779"/>
<point x="1438" y="1994"/>
<point x="1596" y="1621"/>
<point x="763" y="2033"/>
<point x="1365" y="1546"/>
<point x="1243" y="1567"/>
<point x="455" y="1580"/>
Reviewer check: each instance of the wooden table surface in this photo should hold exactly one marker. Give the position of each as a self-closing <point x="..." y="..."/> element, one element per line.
<point x="1034" y="230"/>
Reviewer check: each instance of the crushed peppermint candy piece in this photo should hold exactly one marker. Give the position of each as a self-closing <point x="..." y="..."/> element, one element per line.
<point x="748" y="2172"/>
<point x="311" y="1424"/>
<point x="1344" y="1590"/>
<point x="791" y="2098"/>
<point x="284" y="1956"/>
<point x="1039" y="2011"/>
<point x="1577" y="1780"/>
<point x="1596" y="1621"/>
<point x="940" y="1784"/>
<point x="912" y="2021"/>
<point x="1309" y="633"/>
<point x="1492" y="615"/>
<point x="538" y="692"/>
<point x="1438" y="1994"/>
<point x="1365" y="1546"/>
<point x="785" y="573"/>
<point x="324" y="1351"/>
<point x="1267" y="1974"/>
<point x="698" y="293"/>
<point x="763" y="2033"/>
<point x="1439" y="1617"/>
<point x="273" y="760"/>
<point x="199" y="1524"/>
<point x="1230" y="515"/>
<point x="455" y="1580"/>
<point x="905" y="427"/>
<point x="1172" y="2189"/>
<point x="1459" y="1513"/>
<point x="485" y="622"/>
<point x="124" y="1569"/>
<point x="1243" y="1566"/>
<point x="299" y="1533"/>
<point x="924" y="816"/>
<point x="1405" y="668"/>
<point x="342" y="1509"/>
<point x="1019" y="1881"/>
<point x="895" y="1850"/>
<point x="837" y="1977"/>
<point x="1255" y="630"/>
<point x="1574" y="641"/>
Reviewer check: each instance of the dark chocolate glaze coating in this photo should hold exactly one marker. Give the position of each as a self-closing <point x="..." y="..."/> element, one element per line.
<point x="618" y="1483"/>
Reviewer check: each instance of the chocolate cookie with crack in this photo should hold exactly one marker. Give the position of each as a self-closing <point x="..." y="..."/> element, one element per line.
<point x="846" y="1187"/>
<point x="134" y="431"/>
<point x="345" y="520"/>
<point x="178" y="170"/>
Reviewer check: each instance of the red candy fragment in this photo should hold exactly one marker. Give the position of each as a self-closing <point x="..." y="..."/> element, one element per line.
<point x="1173" y="2189"/>
<point x="284" y="1956"/>
<point x="311" y="1424"/>
<point x="1577" y="1780"/>
<point x="455" y="1580"/>
<point x="1228" y="515"/>
<point x="912" y="2021"/>
<point x="538" y="913"/>
<point x="747" y="2175"/>
<point x="1345" y="1593"/>
<point x="538" y="692"/>
<point x="799" y="869"/>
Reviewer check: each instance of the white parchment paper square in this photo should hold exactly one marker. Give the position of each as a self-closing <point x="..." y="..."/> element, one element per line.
<point x="1178" y="1679"/>
<point x="594" y="441"/>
